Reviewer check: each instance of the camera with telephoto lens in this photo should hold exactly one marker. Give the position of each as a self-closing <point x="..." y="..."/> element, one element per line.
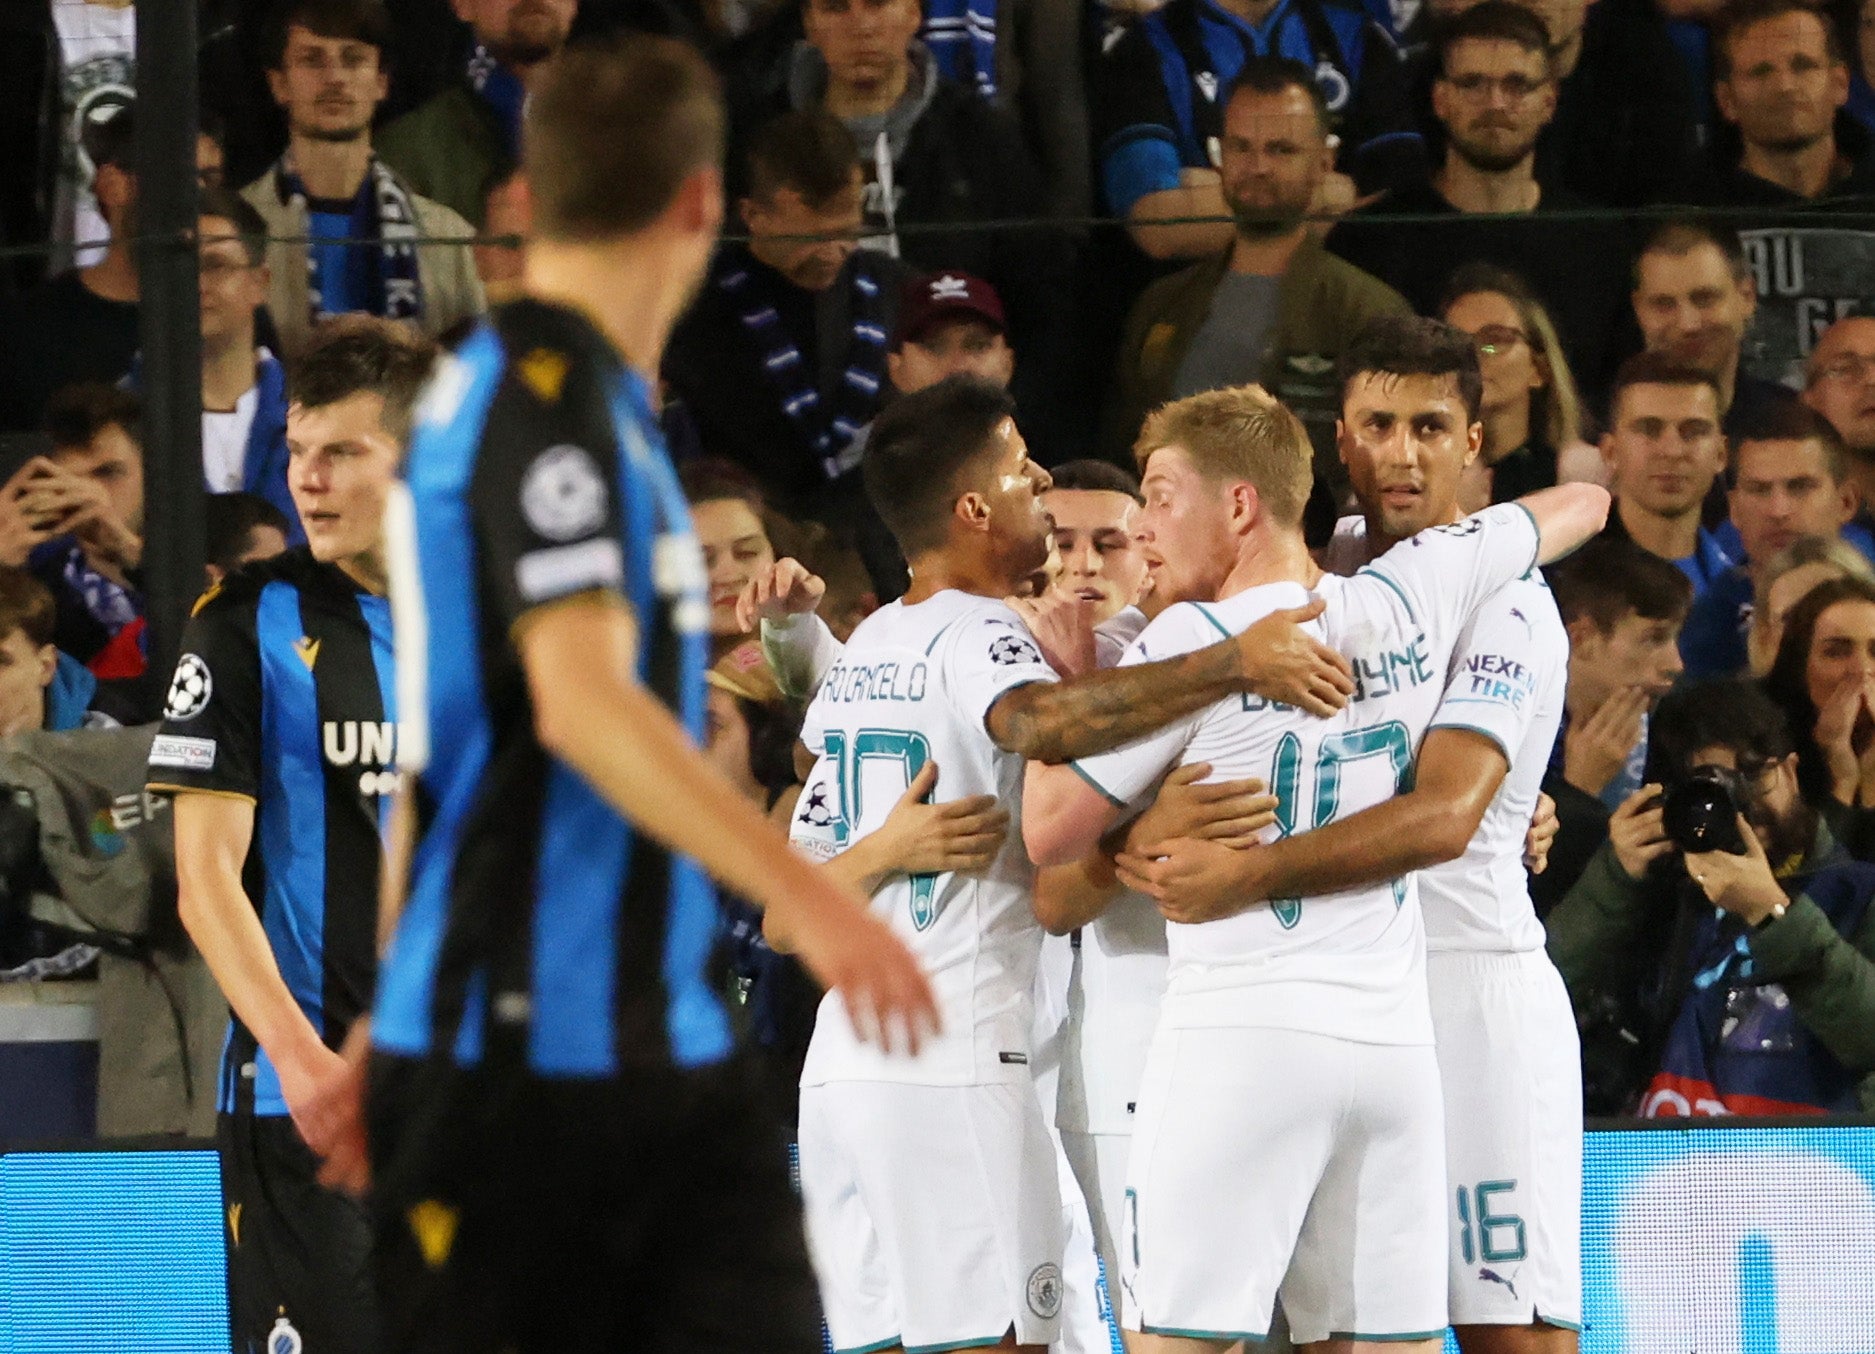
<point x="1700" y="812"/>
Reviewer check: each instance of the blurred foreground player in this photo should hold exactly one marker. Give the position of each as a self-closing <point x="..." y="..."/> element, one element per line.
<point x="277" y="745"/>
<point x="564" y="1156"/>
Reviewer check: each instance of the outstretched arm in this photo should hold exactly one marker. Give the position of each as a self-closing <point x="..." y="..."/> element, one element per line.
<point x="1061" y="721"/>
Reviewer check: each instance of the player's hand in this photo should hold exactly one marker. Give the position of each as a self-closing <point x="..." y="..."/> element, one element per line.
<point x="783" y="589"/>
<point x="1544" y="825"/>
<point x="1638" y="831"/>
<point x="922" y="838"/>
<point x="23" y="528"/>
<point x="1595" y="749"/>
<point x="347" y="1165"/>
<point x="849" y="951"/>
<point x="1281" y="662"/>
<point x="1744" y="886"/>
<point x="1233" y="812"/>
<point x="324" y="1092"/>
<point x="1063" y="625"/>
<point x="1192" y="880"/>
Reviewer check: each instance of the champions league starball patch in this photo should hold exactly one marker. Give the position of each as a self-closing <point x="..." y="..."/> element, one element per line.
<point x="1013" y="650"/>
<point x="189" y="689"/>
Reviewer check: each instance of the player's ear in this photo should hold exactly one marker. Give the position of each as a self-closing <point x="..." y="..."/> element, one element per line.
<point x="973" y="510"/>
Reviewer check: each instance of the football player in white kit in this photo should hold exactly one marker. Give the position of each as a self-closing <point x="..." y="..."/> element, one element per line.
<point x="929" y="1180"/>
<point x="1509" y="1061"/>
<point x="1289" y="1134"/>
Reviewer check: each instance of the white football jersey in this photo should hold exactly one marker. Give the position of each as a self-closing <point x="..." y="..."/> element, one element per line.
<point x="1349" y="965"/>
<point x="1509" y="674"/>
<point x="914" y="684"/>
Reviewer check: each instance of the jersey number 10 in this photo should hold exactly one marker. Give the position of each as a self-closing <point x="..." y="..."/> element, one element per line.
<point x="1387" y="740"/>
<point x="895" y="747"/>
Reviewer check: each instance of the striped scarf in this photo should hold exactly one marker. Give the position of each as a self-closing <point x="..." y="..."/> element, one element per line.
<point x="829" y="425"/>
<point x="382" y="211"/>
<point x="962" y="37"/>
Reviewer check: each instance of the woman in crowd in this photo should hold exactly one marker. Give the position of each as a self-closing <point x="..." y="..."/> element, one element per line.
<point x="1824" y="679"/>
<point x="1788" y="577"/>
<point x="1532" y="413"/>
<point x="740" y="535"/>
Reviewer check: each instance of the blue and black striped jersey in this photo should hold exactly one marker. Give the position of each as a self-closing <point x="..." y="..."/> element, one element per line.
<point x="284" y="695"/>
<point x="540" y="926"/>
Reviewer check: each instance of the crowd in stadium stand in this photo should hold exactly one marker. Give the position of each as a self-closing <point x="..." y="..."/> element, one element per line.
<point x="1654" y="218"/>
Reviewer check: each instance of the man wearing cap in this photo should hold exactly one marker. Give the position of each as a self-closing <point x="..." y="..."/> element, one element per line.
<point x="950" y="324"/>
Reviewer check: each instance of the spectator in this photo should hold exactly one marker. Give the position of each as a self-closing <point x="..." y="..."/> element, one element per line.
<point x="1787" y="579"/>
<point x="243" y="384"/>
<point x="1780" y="78"/>
<point x="934" y="155"/>
<point x="1531" y="413"/>
<point x="507" y="215"/>
<point x="1824" y="679"/>
<point x="737" y="531"/>
<point x="1494" y="93"/>
<point x="1665" y="452"/>
<point x="1840" y="385"/>
<point x="75" y="520"/>
<point x="40" y="688"/>
<point x="1273" y="307"/>
<point x="1159" y="124"/>
<point x="1739" y="984"/>
<point x="1787" y="484"/>
<point x="242" y="528"/>
<point x="462" y="143"/>
<point x="1694" y="298"/>
<point x="1624" y="133"/>
<point x="781" y="361"/>
<point x="1623" y="609"/>
<point x="950" y="324"/>
<point x="326" y="72"/>
<point x="82" y="324"/>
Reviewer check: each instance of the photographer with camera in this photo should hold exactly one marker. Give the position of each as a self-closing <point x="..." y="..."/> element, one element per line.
<point x="1720" y="950"/>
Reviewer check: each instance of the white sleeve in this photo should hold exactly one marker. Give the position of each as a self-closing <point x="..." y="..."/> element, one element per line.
<point x="1493" y="689"/>
<point x="800" y="650"/>
<point x="991" y="654"/>
<point x="1125" y="773"/>
<point x="814" y="830"/>
<point x="1444" y="573"/>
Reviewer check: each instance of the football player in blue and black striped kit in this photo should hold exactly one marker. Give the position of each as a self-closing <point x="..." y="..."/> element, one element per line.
<point x="277" y="746"/>
<point x="564" y="1156"/>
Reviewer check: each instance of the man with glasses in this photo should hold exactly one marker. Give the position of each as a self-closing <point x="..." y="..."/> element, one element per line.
<point x="1741" y="981"/>
<point x="1494" y="93"/>
<point x="1840" y="385"/>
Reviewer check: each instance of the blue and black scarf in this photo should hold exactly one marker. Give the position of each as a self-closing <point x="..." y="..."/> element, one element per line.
<point x="829" y="425"/>
<point x="382" y="211"/>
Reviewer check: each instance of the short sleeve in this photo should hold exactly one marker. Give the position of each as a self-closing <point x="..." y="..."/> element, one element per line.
<point x="1135" y="134"/>
<point x="545" y="497"/>
<point x="1494" y="688"/>
<point x="210" y="739"/>
<point x="991" y="655"/>
<point x="1125" y="773"/>
<point x="813" y="830"/>
<point x="1444" y="573"/>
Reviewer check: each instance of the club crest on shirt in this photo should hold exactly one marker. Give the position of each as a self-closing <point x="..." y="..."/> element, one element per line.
<point x="190" y="689"/>
<point x="1045" y="1290"/>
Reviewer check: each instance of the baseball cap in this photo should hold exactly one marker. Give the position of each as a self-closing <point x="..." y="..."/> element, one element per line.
<point x="931" y="301"/>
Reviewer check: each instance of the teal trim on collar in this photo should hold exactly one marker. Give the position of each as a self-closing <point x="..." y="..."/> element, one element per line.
<point x="1202" y="611"/>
